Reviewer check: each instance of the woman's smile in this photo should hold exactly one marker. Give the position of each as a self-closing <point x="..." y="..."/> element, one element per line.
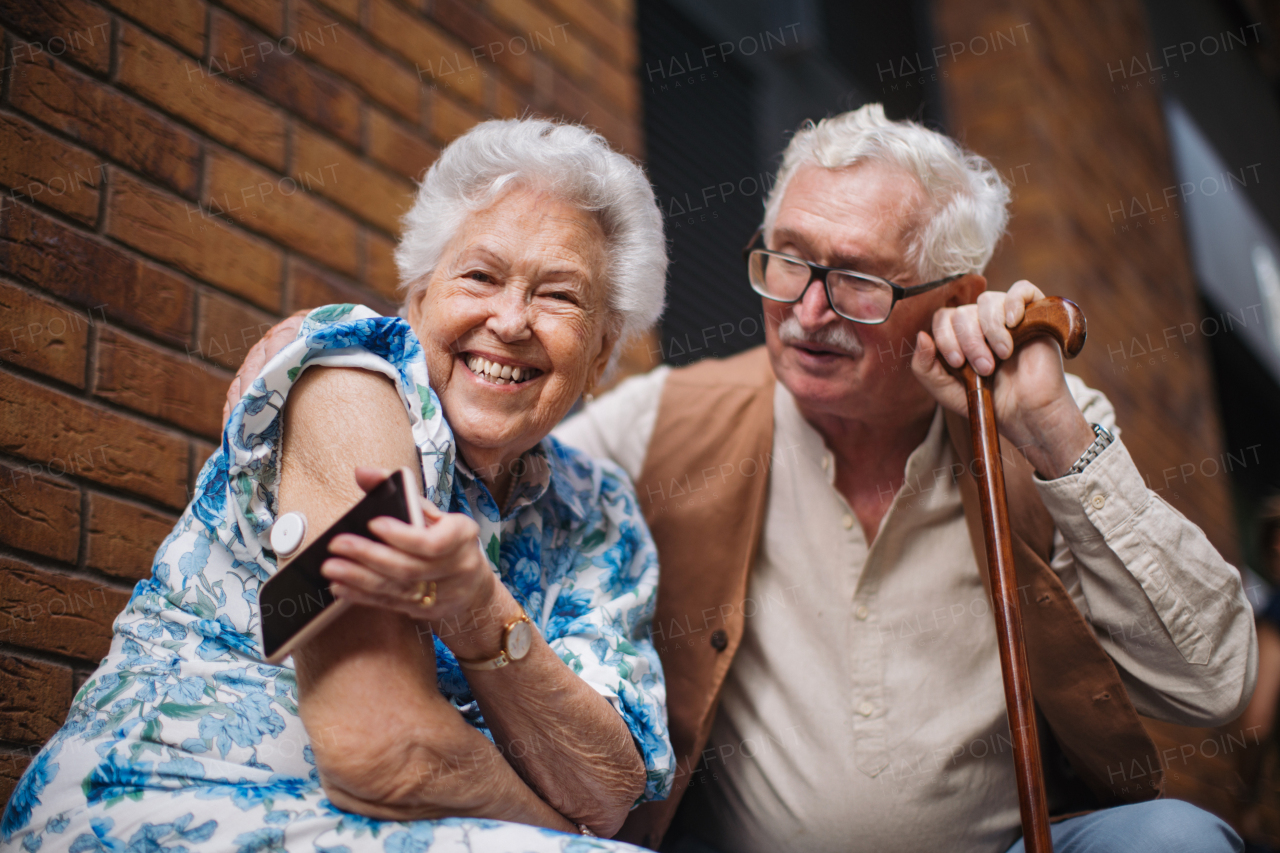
<point x="499" y="370"/>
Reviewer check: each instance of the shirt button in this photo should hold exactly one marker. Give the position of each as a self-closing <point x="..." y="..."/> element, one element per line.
<point x="826" y="462"/>
<point x="862" y="612"/>
<point x="719" y="640"/>
<point x="865" y="708"/>
<point x="1099" y="501"/>
<point x="848" y="522"/>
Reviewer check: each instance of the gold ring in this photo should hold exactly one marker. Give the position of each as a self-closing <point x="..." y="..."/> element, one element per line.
<point x="425" y="593"/>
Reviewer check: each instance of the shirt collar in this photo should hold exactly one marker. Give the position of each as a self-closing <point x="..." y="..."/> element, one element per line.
<point x="926" y="458"/>
<point x="533" y="476"/>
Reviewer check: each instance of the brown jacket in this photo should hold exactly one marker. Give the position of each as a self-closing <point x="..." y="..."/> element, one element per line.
<point x="703" y="488"/>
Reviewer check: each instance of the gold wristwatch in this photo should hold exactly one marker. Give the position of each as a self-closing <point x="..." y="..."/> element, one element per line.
<point x="517" y="640"/>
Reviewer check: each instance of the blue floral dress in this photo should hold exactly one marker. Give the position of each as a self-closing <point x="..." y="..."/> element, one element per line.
<point x="185" y="740"/>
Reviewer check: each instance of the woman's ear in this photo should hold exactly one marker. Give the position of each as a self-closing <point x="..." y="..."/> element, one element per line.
<point x="413" y="306"/>
<point x="601" y="362"/>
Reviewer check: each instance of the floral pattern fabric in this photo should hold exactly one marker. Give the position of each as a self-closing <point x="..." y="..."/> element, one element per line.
<point x="186" y="740"/>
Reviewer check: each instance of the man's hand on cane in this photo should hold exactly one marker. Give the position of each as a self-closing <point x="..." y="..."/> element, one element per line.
<point x="1034" y="407"/>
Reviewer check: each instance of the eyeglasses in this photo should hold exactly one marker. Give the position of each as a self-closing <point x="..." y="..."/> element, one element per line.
<point x="853" y="295"/>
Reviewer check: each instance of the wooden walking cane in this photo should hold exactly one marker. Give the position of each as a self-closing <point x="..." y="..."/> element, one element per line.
<point x="1062" y="320"/>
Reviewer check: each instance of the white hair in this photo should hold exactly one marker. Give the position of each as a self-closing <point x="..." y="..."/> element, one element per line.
<point x="968" y="199"/>
<point x="574" y="163"/>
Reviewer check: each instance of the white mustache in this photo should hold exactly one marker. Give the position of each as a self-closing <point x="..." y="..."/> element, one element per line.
<point x="834" y="335"/>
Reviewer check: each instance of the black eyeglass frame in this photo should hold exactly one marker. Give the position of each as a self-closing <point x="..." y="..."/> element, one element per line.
<point x="818" y="271"/>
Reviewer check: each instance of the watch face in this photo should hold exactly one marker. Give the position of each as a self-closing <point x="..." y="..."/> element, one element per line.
<point x="519" y="640"/>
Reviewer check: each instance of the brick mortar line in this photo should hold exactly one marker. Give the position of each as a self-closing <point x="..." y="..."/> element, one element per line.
<point x="598" y="47"/>
<point x="90" y="361"/>
<point x="47" y="657"/>
<point x="131" y="414"/>
<point x="74" y="481"/>
<point x="187" y="278"/>
<point x="202" y="177"/>
<point x="222" y="78"/>
<point x="82" y="549"/>
<point x="113" y="53"/>
<point x="13" y="32"/>
<point x="89" y="392"/>
<point x="114" y="58"/>
<point x="198" y="287"/>
<point x="587" y="83"/>
<point x="323" y="201"/>
<point x="6" y="74"/>
<point x="58" y="569"/>
<point x="151" y="183"/>
<point x="15" y="111"/>
<point x="66" y="305"/>
<point x="362" y="156"/>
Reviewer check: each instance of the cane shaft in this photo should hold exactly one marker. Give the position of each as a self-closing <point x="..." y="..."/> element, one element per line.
<point x="1004" y="597"/>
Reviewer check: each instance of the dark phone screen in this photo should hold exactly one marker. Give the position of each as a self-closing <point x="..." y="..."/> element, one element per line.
<point x="298" y="593"/>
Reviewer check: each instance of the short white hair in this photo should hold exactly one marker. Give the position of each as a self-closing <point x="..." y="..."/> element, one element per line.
<point x="968" y="199"/>
<point x="574" y="163"/>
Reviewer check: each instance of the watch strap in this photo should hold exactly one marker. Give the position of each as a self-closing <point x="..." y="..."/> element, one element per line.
<point x="484" y="665"/>
<point x="1101" y="441"/>
<point x="502" y="658"/>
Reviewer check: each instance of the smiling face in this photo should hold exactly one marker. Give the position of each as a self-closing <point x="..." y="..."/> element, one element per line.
<point x="859" y="218"/>
<point x="514" y="323"/>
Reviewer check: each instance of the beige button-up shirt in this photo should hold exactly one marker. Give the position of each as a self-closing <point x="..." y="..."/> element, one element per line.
<point x="865" y="708"/>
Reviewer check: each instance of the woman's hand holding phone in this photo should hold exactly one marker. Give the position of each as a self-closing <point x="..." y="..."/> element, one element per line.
<point x="441" y="561"/>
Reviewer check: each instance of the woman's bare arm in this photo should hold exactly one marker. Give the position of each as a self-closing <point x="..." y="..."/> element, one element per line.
<point x="386" y="743"/>
<point x="565" y="739"/>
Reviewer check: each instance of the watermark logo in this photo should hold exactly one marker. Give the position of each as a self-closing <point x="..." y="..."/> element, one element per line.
<point x="905" y="72"/>
<point x="688" y="209"/>
<point x="1140" y="351"/>
<point x="1137" y="213"/>
<point x="1137" y="72"/>
<point x="444" y="68"/>
<point x="32" y="51"/>
<point x="227" y="65"/>
<point x="260" y="193"/>
<point x="55" y="327"/>
<point x="679" y="71"/>
<point x="1123" y="774"/>
<point x="58" y="185"/>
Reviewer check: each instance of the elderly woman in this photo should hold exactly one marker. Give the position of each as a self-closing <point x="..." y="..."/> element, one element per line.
<point x="410" y="723"/>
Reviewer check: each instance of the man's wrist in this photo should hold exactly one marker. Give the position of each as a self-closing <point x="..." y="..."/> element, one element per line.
<point x="1061" y="446"/>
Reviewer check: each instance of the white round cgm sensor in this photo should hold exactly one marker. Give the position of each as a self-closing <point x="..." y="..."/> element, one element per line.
<point x="287" y="533"/>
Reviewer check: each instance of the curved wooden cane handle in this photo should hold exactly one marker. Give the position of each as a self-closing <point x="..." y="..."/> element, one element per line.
<point x="1059" y="318"/>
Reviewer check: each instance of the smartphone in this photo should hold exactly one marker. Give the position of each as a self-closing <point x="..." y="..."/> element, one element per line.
<point x="295" y="603"/>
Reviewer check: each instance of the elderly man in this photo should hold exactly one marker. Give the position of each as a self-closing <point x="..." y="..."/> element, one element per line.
<point x="832" y="670"/>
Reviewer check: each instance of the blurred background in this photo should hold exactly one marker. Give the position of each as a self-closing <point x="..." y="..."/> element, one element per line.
<point x="176" y="175"/>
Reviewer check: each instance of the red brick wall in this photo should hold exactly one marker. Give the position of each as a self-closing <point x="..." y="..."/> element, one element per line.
<point x="1043" y="109"/>
<point x="175" y="175"/>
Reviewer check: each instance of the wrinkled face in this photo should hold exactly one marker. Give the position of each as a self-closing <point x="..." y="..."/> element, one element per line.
<point x="513" y="322"/>
<point x="860" y="218"/>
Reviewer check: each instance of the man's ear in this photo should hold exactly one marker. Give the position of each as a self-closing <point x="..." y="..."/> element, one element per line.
<point x="965" y="290"/>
